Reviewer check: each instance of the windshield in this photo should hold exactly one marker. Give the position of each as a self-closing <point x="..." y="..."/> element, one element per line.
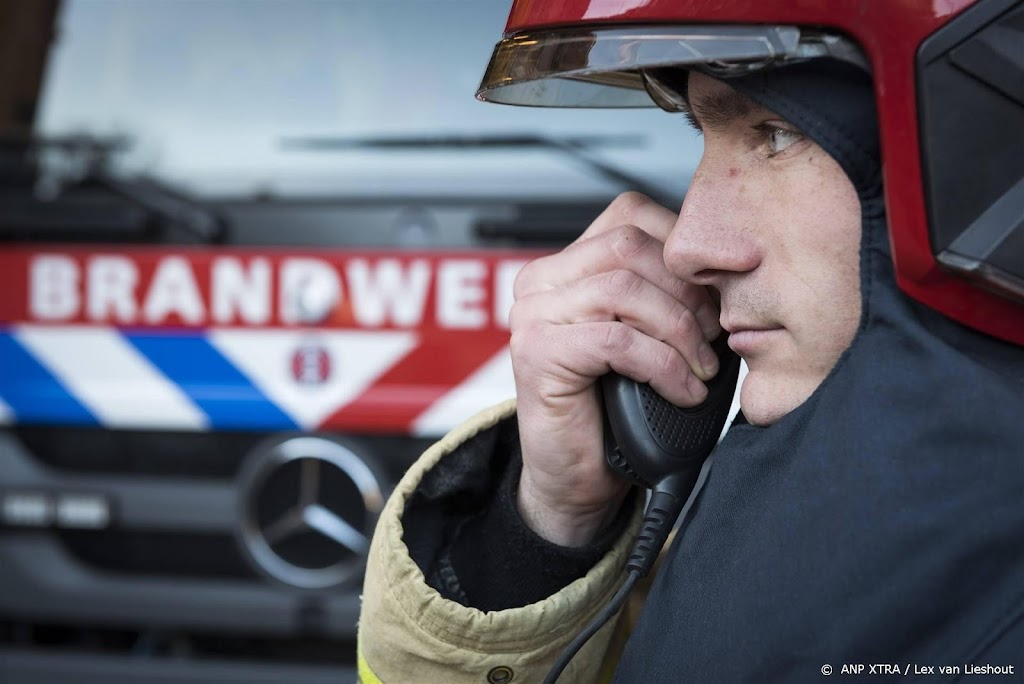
<point x="315" y="122"/>
<point x="207" y="92"/>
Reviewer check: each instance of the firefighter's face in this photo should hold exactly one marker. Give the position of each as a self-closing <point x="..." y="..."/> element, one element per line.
<point x="773" y="224"/>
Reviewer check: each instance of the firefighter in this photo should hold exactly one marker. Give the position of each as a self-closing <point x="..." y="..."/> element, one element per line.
<point x="851" y="227"/>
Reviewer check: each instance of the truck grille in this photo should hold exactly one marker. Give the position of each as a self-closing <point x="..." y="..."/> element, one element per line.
<point x="215" y="455"/>
<point x="173" y="495"/>
<point x="156" y="553"/>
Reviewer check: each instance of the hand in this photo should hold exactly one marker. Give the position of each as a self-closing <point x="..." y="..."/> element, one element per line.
<point x="604" y="303"/>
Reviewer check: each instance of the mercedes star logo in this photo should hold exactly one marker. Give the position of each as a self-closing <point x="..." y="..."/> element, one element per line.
<point x="308" y="508"/>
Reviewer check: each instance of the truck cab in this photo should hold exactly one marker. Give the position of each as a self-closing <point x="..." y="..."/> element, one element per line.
<point x="254" y="259"/>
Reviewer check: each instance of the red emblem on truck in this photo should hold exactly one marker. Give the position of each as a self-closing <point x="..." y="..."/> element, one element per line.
<point x="311" y="365"/>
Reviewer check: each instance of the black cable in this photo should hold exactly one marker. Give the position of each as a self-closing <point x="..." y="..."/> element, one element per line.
<point x="609" y="610"/>
<point x="657" y="445"/>
<point x="659" y="517"/>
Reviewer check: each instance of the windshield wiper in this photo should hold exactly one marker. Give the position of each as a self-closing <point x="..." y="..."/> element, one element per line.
<point x="79" y="194"/>
<point x="170" y="205"/>
<point x="577" y="148"/>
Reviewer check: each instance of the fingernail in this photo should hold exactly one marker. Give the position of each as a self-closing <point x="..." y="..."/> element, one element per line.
<point x="708" y="360"/>
<point x="697" y="389"/>
<point x="707" y="315"/>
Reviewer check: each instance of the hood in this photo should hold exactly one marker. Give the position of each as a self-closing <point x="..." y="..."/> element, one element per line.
<point x="880" y="521"/>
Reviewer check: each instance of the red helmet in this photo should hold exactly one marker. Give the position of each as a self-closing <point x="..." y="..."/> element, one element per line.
<point x="949" y="87"/>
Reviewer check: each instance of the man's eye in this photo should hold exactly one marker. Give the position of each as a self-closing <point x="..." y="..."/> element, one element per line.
<point x="780" y="138"/>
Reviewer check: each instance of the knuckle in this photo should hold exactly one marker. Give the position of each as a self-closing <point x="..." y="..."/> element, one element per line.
<point x="524" y="340"/>
<point x="686" y="322"/>
<point x="517" y="316"/>
<point x="617" y="338"/>
<point x="523" y="281"/>
<point x="670" y="364"/>
<point x="621" y="284"/>
<point x="629" y="203"/>
<point x="628" y="241"/>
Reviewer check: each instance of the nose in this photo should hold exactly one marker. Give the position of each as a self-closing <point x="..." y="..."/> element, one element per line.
<point x="712" y="239"/>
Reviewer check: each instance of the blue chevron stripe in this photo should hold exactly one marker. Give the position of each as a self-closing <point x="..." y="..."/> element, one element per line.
<point x="34" y="394"/>
<point x="226" y="395"/>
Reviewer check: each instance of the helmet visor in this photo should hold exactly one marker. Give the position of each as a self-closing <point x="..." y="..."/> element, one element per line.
<point x="603" y="67"/>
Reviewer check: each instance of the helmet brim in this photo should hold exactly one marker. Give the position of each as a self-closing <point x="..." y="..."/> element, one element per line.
<point x="598" y="67"/>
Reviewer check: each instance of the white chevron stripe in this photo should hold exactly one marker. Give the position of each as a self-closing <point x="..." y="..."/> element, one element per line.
<point x="488" y="385"/>
<point x="357" y="359"/>
<point x="6" y="414"/>
<point x="110" y="377"/>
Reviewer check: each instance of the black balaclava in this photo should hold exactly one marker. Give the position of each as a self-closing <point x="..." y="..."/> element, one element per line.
<point x="880" y="522"/>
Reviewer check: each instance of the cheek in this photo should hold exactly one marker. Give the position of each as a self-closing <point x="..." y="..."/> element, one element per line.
<point x="816" y="271"/>
<point x="820" y="248"/>
<point x="833" y="258"/>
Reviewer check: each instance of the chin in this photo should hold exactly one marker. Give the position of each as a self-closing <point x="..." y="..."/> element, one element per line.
<point x="765" y="399"/>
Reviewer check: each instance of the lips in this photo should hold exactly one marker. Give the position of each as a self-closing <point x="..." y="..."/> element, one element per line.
<point x="734" y="328"/>
<point x="747" y="339"/>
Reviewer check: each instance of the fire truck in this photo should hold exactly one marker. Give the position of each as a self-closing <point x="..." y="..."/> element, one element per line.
<point x="210" y="383"/>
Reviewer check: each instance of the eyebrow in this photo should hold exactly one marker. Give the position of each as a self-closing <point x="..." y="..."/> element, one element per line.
<point x="718" y="110"/>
